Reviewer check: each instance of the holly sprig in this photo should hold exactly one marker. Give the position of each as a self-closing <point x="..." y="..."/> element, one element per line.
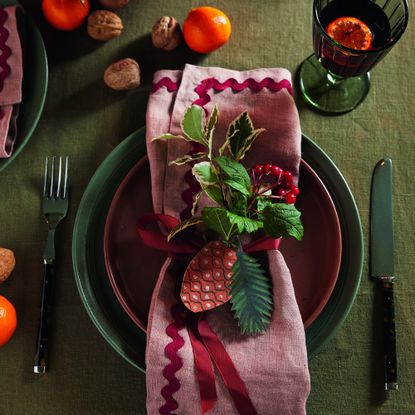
<point x="245" y="201"/>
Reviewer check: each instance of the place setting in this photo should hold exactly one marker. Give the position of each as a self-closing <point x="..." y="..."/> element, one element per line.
<point x="218" y="249"/>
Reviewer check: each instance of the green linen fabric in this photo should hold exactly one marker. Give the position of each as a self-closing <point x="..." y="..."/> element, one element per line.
<point x="86" y="120"/>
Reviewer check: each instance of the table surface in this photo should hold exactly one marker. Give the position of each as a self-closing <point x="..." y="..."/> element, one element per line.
<point x="86" y="120"/>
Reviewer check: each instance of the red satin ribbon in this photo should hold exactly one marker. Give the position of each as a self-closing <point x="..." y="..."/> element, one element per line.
<point x="159" y="241"/>
<point x="206" y="345"/>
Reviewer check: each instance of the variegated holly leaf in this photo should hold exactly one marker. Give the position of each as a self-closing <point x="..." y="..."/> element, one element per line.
<point x="204" y="174"/>
<point x="188" y="158"/>
<point x="168" y="136"/>
<point x="183" y="225"/>
<point x="248" y="143"/>
<point x="209" y="129"/>
<point x="196" y="199"/>
<point x="238" y="131"/>
<point x="225" y="145"/>
<point x="193" y="124"/>
<point x="251" y="295"/>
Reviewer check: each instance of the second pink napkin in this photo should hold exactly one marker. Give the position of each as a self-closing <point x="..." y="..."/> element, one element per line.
<point x="10" y="79"/>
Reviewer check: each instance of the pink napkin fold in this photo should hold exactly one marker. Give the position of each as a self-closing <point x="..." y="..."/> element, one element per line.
<point x="11" y="74"/>
<point x="273" y="365"/>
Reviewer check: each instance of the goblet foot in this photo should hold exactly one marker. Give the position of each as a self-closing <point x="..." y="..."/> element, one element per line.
<point x="328" y="93"/>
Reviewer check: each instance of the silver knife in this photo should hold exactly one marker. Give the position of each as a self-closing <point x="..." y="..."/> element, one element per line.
<point x="382" y="260"/>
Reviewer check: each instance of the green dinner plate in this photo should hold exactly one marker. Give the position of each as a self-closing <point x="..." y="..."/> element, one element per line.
<point x="94" y="286"/>
<point x="35" y="82"/>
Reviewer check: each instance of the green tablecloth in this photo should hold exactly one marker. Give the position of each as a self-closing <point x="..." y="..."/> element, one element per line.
<point x="86" y="120"/>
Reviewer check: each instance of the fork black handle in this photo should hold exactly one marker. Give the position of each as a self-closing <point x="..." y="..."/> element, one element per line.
<point x="44" y="320"/>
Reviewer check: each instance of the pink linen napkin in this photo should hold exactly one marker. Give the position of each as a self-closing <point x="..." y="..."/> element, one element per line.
<point x="11" y="74"/>
<point x="273" y="366"/>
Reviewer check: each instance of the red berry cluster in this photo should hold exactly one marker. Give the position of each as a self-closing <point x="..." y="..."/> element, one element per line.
<point x="269" y="177"/>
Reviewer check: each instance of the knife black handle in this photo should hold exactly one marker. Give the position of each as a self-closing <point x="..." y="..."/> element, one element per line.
<point x="44" y="320"/>
<point x="389" y="340"/>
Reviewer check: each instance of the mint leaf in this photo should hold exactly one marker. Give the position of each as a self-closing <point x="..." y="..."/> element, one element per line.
<point x="192" y="124"/>
<point x="238" y="131"/>
<point x="210" y="127"/>
<point x="237" y="186"/>
<point x="238" y="203"/>
<point x="262" y="203"/>
<point x="183" y="225"/>
<point x="188" y="158"/>
<point x="281" y="219"/>
<point x="204" y="174"/>
<point x="236" y="172"/>
<point x="244" y="224"/>
<point x="251" y="295"/>
<point x="218" y="220"/>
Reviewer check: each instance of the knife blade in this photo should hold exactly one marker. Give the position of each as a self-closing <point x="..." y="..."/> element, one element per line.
<point x="382" y="260"/>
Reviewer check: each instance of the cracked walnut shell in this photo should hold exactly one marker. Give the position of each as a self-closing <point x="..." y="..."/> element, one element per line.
<point x="104" y="25"/>
<point x="7" y="263"/>
<point x="123" y="75"/>
<point x="166" y="33"/>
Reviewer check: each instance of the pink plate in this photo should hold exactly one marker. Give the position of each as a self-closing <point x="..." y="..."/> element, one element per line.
<point x="133" y="267"/>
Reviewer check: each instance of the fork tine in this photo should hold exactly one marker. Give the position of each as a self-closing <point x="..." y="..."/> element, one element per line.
<point x="52" y="176"/>
<point x="45" y="180"/>
<point x="58" y="190"/>
<point x="65" y="186"/>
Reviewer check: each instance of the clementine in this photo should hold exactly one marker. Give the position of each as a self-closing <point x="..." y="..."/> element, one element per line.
<point x="8" y="320"/>
<point x="206" y="29"/>
<point x="351" y="32"/>
<point x="65" y="14"/>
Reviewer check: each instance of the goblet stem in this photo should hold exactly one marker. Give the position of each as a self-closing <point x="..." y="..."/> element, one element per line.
<point x="328" y="92"/>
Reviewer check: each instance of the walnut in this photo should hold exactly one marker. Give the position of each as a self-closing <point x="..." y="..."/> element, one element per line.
<point x="166" y="33"/>
<point x="104" y="25"/>
<point x="7" y="263"/>
<point x="113" y="4"/>
<point x="123" y="74"/>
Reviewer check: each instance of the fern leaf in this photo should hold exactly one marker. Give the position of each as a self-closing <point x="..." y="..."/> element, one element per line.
<point x="251" y="295"/>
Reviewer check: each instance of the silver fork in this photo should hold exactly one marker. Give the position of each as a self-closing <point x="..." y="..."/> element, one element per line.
<point x="55" y="208"/>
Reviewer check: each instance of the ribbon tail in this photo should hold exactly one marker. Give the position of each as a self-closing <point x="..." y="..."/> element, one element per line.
<point x="204" y="368"/>
<point x="226" y="368"/>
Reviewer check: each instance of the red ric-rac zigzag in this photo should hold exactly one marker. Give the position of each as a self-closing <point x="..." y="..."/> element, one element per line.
<point x="5" y="50"/>
<point x="176" y="363"/>
<point x="212" y="83"/>
<point x="170" y="85"/>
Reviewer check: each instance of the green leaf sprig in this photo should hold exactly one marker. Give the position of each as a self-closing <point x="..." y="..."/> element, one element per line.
<point x="244" y="203"/>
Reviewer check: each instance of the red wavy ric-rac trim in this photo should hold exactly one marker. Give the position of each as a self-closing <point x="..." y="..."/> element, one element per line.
<point x="170" y="85"/>
<point x="176" y="363"/>
<point x="5" y="50"/>
<point x="212" y="83"/>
